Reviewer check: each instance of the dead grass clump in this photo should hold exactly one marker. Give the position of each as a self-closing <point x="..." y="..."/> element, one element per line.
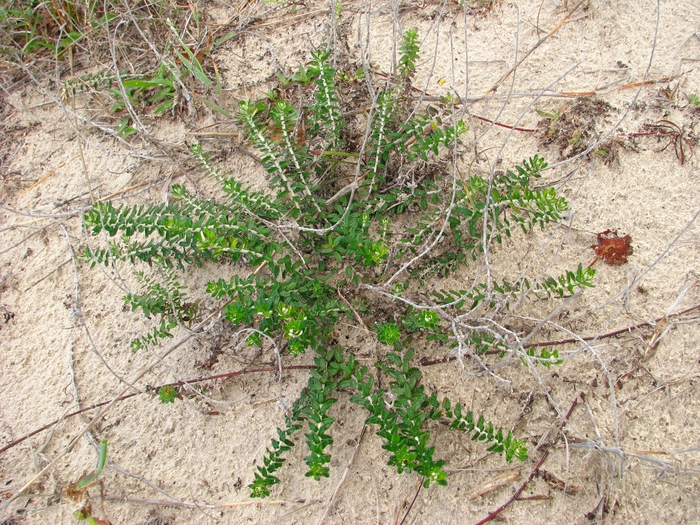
<point x="573" y="127"/>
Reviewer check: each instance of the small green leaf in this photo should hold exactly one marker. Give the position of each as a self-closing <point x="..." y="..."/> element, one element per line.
<point x="167" y="394"/>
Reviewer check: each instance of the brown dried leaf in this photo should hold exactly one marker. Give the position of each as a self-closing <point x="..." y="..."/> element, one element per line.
<point x="612" y="248"/>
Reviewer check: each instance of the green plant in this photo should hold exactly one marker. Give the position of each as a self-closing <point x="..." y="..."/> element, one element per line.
<point x="167" y="394"/>
<point x="30" y="27"/>
<point x="409" y="54"/>
<point x="546" y="358"/>
<point x="167" y="301"/>
<point x="360" y="212"/>
<point x="163" y="89"/>
<point x="76" y="495"/>
<point x="402" y="423"/>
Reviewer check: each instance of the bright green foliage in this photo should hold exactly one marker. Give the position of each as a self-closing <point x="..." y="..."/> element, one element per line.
<point x="569" y="282"/>
<point x="167" y="394"/>
<point x="381" y="143"/>
<point x="401" y="414"/>
<point x="546" y="358"/>
<point x="186" y="232"/>
<point x="508" y="445"/>
<point x="511" y="202"/>
<point x="409" y="54"/>
<point x="421" y="320"/>
<point x="168" y="301"/>
<point x="301" y="308"/>
<point x="90" y="478"/>
<point x="351" y="204"/>
<point x="330" y="372"/>
<point x="312" y="407"/>
<point x="255" y="203"/>
<point x="388" y="333"/>
<point x="273" y="460"/>
<point x="280" y="155"/>
<point x="327" y="120"/>
<point x="565" y="284"/>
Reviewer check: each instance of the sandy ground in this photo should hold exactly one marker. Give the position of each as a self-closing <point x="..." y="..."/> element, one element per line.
<point x="630" y="451"/>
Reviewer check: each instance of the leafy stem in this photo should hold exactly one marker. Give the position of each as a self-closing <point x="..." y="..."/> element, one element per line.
<point x="284" y="256"/>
